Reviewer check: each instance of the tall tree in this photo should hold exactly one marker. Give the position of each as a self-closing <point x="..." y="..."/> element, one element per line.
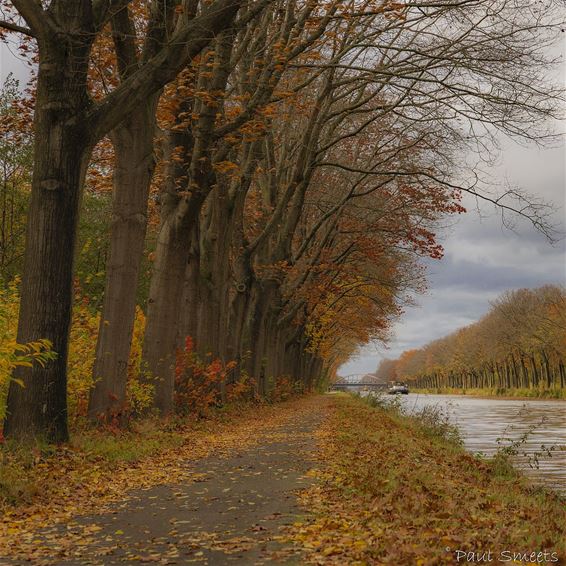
<point x="67" y="125"/>
<point x="133" y="142"/>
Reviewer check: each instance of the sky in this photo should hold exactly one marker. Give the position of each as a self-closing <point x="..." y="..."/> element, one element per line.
<point x="11" y="63"/>
<point x="482" y="258"/>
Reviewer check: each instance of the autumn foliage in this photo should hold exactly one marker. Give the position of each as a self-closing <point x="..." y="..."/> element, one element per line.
<point x="201" y="385"/>
<point x="426" y="500"/>
<point x="267" y="187"/>
<point x="519" y="344"/>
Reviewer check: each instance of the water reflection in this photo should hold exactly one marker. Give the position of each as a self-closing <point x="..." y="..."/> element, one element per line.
<point x="483" y="421"/>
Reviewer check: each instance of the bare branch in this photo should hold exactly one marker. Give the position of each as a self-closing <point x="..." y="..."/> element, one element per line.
<point x="18" y="29"/>
<point x="185" y="43"/>
<point x="39" y="21"/>
<point x="104" y="10"/>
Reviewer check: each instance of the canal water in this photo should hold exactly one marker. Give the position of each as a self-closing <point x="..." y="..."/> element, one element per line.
<point x="488" y="424"/>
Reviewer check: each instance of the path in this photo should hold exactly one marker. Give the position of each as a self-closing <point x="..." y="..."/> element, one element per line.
<point x="229" y="514"/>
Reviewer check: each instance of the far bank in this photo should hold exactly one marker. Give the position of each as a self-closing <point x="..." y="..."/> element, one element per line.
<point x="501" y="393"/>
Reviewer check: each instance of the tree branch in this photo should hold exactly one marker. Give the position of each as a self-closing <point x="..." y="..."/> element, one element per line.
<point x="104" y="10"/>
<point x="38" y="20"/>
<point x="186" y="42"/>
<point x="14" y="27"/>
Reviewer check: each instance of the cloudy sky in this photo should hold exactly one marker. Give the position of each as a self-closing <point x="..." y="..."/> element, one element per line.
<point x="483" y="258"/>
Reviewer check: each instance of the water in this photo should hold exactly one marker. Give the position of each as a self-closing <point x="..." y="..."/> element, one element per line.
<point x="483" y="421"/>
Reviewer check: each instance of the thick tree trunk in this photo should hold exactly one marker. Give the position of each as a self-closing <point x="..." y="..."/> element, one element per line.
<point x="188" y="314"/>
<point x="236" y="326"/>
<point x="252" y="337"/>
<point x="133" y="144"/>
<point x="215" y="264"/>
<point x="39" y="409"/>
<point x="164" y="303"/>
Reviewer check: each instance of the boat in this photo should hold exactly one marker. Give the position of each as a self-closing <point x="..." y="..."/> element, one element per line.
<point x="398" y="388"/>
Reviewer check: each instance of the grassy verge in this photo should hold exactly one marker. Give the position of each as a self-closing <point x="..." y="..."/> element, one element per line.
<point x="498" y="392"/>
<point x="27" y="474"/>
<point x="399" y="490"/>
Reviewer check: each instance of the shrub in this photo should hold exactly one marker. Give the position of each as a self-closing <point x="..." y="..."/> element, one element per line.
<point x="13" y="354"/>
<point x="284" y="388"/>
<point x="200" y="385"/>
<point x="82" y="350"/>
<point x="139" y="395"/>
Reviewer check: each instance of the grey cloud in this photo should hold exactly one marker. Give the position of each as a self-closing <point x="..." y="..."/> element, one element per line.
<point x="483" y="259"/>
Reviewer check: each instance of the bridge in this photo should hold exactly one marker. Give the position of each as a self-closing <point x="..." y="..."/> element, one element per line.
<point x="338" y="386"/>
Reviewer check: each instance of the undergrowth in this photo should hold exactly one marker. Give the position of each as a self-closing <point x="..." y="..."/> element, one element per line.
<point x="432" y="420"/>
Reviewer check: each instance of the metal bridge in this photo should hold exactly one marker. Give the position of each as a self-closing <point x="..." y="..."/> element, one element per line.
<point x="336" y="386"/>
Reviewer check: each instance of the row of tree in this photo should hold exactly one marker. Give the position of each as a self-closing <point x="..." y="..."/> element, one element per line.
<point x="520" y="343"/>
<point x="299" y="154"/>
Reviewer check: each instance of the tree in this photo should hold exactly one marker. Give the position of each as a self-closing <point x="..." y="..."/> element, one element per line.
<point x="309" y="156"/>
<point x="234" y="87"/>
<point x="344" y="95"/>
<point x="518" y="344"/>
<point x="387" y="370"/>
<point x="67" y="126"/>
<point x="133" y="144"/>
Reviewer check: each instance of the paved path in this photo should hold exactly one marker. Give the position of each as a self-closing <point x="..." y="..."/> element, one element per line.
<point x="229" y="515"/>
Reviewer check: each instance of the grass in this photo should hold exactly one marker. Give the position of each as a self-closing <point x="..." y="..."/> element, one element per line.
<point x="16" y="479"/>
<point x="534" y="393"/>
<point x="146" y="438"/>
<point x="395" y="489"/>
<point x="22" y="470"/>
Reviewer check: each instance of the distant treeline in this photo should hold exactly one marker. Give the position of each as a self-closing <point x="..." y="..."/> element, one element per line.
<point x="519" y="344"/>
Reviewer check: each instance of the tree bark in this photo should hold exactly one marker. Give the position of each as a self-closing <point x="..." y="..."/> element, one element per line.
<point x="135" y="163"/>
<point x="61" y="152"/>
<point x="164" y="303"/>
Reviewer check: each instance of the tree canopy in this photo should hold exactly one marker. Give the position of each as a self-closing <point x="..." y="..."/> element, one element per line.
<point x="276" y="171"/>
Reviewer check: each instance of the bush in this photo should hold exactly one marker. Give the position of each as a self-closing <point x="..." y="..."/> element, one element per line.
<point x="13" y="354"/>
<point x="436" y="422"/>
<point x="82" y="349"/>
<point x="201" y="385"/>
<point x="283" y="389"/>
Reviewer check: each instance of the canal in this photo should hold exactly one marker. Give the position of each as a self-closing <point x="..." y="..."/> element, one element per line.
<point x="485" y="422"/>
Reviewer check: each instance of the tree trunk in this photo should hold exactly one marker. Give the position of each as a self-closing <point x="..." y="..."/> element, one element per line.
<point x="164" y="303"/>
<point x="237" y="317"/>
<point x="252" y="336"/>
<point x="133" y="144"/>
<point x="188" y="314"/>
<point x="214" y="275"/>
<point x="61" y="152"/>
